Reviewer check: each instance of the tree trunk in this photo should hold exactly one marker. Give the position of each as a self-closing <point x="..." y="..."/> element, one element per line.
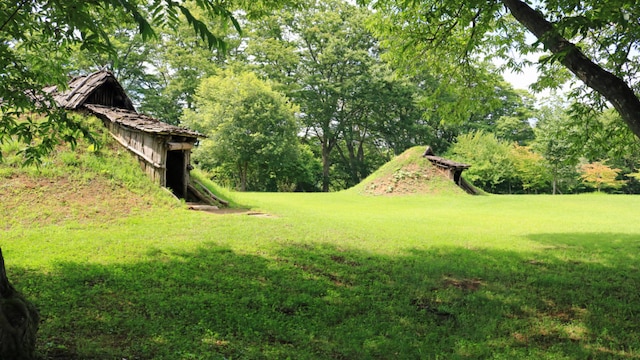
<point x="242" y="169"/>
<point x="613" y="88"/>
<point x="353" y="164"/>
<point x="555" y="178"/>
<point x="363" y="171"/>
<point x="326" y="165"/>
<point x="19" y="321"/>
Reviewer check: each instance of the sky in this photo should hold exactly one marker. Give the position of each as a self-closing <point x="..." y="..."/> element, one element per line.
<point x="521" y="80"/>
<point x="528" y="76"/>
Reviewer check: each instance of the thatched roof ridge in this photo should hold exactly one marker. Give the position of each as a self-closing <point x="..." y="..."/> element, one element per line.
<point x="81" y="89"/>
<point x="132" y="119"/>
<point x="101" y="94"/>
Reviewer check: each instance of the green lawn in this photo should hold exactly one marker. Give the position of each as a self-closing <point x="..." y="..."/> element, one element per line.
<point x="339" y="276"/>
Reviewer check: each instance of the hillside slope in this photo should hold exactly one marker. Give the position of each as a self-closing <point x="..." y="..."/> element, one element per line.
<point x="408" y="173"/>
<point x="79" y="184"/>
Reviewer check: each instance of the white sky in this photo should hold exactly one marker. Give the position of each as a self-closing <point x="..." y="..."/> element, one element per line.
<point x="521" y="80"/>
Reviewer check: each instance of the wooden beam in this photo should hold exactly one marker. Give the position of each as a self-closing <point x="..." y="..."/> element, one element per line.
<point x="221" y="201"/>
<point x="137" y="152"/>
<point x="180" y="146"/>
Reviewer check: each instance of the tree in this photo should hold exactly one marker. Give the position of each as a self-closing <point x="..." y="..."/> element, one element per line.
<point x="161" y="74"/>
<point x="592" y="39"/>
<point x="496" y="108"/>
<point x="531" y="169"/>
<point x="500" y="166"/>
<point x="401" y="123"/>
<point x="181" y="60"/>
<point x="491" y="163"/>
<point x="353" y="107"/>
<point x="514" y="129"/>
<point x="558" y="141"/>
<point x="252" y="131"/>
<point x="600" y="175"/>
<point x="634" y="176"/>
<point x="607" y="139"/>
<point x="334" y="65"/>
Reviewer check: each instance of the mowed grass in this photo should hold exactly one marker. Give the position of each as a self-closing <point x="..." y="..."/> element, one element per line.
<point x="120" y="270"/>
<point x="340" y="276"/>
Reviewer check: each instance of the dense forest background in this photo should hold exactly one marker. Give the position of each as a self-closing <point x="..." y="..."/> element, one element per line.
<point x="312" y="97"/>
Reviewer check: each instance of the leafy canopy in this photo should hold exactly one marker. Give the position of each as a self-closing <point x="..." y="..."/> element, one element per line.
<point x="600" y="175"/>
<point x="252" y="129"/>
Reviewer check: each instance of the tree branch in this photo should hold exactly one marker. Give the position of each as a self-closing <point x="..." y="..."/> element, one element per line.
<point x="611" y="87"/>
<point x="18" y="7"/>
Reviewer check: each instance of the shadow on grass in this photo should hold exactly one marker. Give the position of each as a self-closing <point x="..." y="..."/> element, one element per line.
<point x="570" y="299"/>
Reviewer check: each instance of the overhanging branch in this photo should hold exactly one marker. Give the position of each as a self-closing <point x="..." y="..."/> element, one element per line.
<point x="611" y="87"/>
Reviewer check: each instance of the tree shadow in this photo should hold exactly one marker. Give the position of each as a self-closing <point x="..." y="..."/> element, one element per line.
<point x="322" y="301"/>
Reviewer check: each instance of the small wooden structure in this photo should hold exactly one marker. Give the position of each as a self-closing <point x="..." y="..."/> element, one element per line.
<point x="452" y="169"/>
<point x="163" y="150"/>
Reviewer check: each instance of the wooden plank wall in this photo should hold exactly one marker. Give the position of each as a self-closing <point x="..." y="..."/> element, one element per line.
<point x="150" y="150"/>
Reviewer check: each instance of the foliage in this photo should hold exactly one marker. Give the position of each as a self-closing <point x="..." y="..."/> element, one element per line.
<point x="606" y="138"/>
<point x="633" y="181"/>
<point x="491" y="163"/>
<point x="501" y="167"/>
<point x="531" y="170"/>
<point x="401" y="122"/>
<point x="353" y="107"/>
<point x="563" y="139"/>
<point x="500" y="110"/>
<point x="449" y="38"/>
<point x="307" y="172"/>
<point x="331" y="73"/>
<point x="600" y="175"/>
<point x="162" y="74"/>
<point x="514" y="129"/>
<point x="558" y="140"/>
<point x="252" y="132"/>
<point x="180" y="61"/>
<point x="429" y="37"/>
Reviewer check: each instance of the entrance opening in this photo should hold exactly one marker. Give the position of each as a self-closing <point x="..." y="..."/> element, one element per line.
<point x="176" y="169"/>
<point x="456" y="176"/>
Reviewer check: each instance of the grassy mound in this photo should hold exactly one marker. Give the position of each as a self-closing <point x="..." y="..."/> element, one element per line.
<point x="408" y="173"/>
<point x="76" y="185"/>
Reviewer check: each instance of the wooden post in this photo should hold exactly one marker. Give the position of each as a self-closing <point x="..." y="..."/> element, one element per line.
<point x="19" y="321"/>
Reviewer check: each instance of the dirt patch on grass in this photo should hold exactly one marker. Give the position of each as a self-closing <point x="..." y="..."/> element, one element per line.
<point x="31" y="201"/>
<point x="225" y="211"/>
<point x="463" y="284"/>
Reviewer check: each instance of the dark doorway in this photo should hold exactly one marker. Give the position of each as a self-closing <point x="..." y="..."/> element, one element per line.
<point x="457" y="174"/>
<point x="176" y="173"/>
